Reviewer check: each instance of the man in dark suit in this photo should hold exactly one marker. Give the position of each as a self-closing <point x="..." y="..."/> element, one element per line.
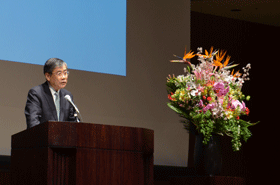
<point x="46" y="102"/>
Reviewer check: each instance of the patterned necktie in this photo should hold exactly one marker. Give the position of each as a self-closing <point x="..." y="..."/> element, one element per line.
<point x="57" y="105"/>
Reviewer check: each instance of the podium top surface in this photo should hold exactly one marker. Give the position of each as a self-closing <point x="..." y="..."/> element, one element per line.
<point x="85" y="135"/>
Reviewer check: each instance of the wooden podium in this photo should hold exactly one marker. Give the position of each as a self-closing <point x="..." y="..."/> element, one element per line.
<point x="57" y="153"/>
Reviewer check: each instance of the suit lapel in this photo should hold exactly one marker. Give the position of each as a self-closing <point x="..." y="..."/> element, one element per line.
<point x="49" y="99"/>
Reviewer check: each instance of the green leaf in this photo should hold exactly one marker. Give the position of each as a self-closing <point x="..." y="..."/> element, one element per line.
<point x="232" y="66"/>
<point x="178" y="110"/>
<point x="174" y="108"/>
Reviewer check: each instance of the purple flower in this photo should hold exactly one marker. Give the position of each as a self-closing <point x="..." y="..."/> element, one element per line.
<point x="218" y="86"/>
<point x="209" y="106"/>
<point x="220" y="89"/>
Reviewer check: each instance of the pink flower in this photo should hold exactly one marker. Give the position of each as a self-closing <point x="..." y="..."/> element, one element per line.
<point x="243" y="106"/>
<point x="209" y="106"/>
<point x="200" y="88"/>
<point x="218" y="86"/>
<point x="221" y="100"/>
<point x="197" y="75"/>
<point x="200" y="104"/>
<point x="236" y="103"/>
<point x="220" y="89"/>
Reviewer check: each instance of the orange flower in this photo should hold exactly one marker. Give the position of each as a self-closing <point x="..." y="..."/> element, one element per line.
<point x="219" y="57"/>
<point x="227" y="60"/>
<point x="207" y="55"/>
<point x="237" y="74"/>
<point x="210" y="83"/>
<point x="217" y="63"/>
<point x="210" y="52"/>
<point x="188" y="55"/>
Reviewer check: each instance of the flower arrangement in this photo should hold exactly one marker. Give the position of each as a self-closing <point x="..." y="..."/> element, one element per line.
<point x="209" y="96"/>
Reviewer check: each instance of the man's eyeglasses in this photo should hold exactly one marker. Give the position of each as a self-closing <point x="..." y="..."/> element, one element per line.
<point x="60" y="73"/>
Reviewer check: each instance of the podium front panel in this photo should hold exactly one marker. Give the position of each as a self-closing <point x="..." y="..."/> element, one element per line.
<point x="82" y="153"/>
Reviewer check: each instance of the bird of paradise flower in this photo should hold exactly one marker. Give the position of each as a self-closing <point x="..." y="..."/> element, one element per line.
<point x="217" y="62"/>
<point x="186" y="57"/>
<point x="184" y="60"/>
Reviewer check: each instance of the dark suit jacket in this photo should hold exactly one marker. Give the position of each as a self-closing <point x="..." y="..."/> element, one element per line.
<point x="40" y="106"/>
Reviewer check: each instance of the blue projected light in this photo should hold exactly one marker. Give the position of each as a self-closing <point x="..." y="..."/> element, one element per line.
<point x="88" y="35"/>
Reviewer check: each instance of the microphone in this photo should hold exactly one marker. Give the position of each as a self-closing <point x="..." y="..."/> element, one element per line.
<point x="68" y="98"/>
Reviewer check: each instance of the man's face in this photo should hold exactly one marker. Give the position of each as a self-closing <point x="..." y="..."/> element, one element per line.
<point x="58" y="78"/>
